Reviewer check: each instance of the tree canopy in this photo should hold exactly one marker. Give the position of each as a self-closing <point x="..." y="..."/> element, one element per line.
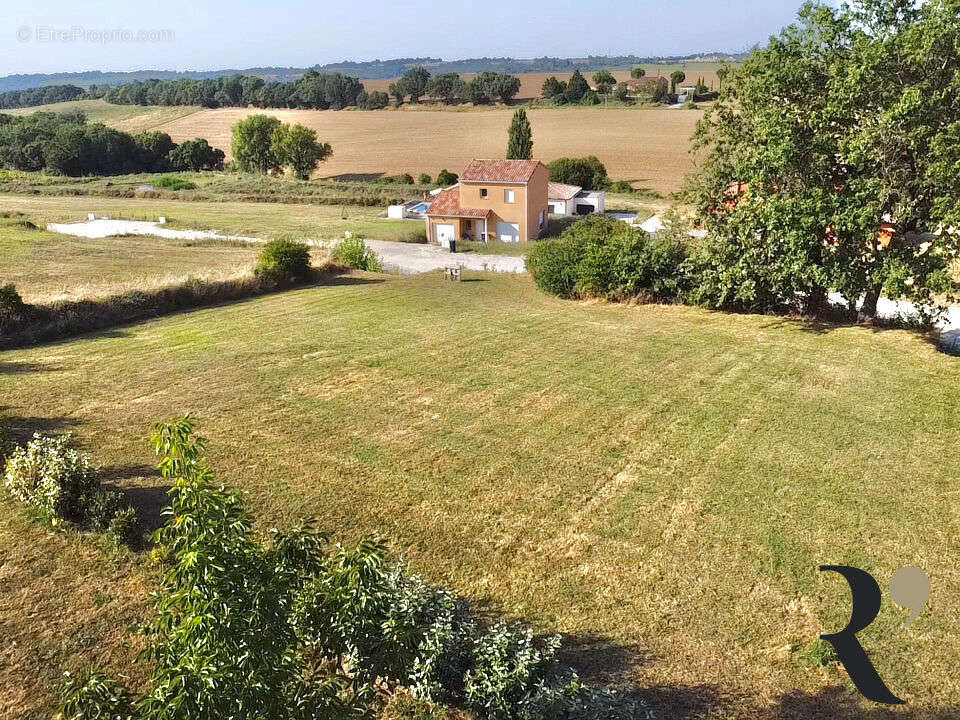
<point x="831" y="161"/>
<point x="520" y="142"/>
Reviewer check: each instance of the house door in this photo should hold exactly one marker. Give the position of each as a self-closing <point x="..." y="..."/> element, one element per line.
<point x="508" y="232"/>
<point x="443" y="234"/>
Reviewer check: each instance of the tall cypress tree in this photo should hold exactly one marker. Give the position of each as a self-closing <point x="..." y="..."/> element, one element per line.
<point x="520" y="142"/>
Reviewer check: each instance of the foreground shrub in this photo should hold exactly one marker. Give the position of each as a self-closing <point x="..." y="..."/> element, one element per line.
<point x="554" y="265"/>
<point x="418" y="236"/>
<point x="58" y="481"/>
<point x="283" y="262"/>
<point x="52" y="477"/>
<point x="353" y="252"/>
<point x="94" y="696"/>
<point x="299" y="628"/>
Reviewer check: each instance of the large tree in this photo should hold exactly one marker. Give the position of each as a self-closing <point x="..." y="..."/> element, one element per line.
<point x="414" y="82"/>
<point x="298" y="147"/>
<point x="832" y="161"/>
<point x="520" y="141"/>
<point x="252" y="143"/>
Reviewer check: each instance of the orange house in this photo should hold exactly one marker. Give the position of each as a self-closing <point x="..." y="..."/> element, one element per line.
<point x="503" y="200"/>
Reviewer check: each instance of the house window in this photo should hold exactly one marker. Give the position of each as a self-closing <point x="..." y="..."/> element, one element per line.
<point x="483" y="192"/>
<point x="508" y="196"/>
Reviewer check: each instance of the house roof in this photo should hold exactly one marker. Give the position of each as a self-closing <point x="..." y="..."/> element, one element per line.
<point x="505" y="171"/>
<point x="447" y="204"/>
<point x="559" y="191"/>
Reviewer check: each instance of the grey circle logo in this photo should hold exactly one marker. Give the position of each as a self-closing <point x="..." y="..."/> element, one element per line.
<point x="24" y="33"/>
<point x="910" y="588"/>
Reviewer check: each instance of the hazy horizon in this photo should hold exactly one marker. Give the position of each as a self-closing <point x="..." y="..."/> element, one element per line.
<point x="111" y="36"/>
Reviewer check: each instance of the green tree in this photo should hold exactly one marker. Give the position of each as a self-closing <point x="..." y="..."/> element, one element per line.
<point x="676" y="77"/>
<point x="447" y="87"/>
<point x="252" y="144"/>
<point x="196" y="155"/>
<point x="847" y="179"/>
<point x="554" y="90"/>
<point x="414" y="82"/>
<point x="445" y="178"/>
<point x="723" y="73"/>
<point x="604" y="81"/>
<point x="577" y="87"/>
<point x="588" y="172"/>
<point x="622" y="92"/>
<point x="520" y="141"/>
<point x="398" y="92"/>
<point x="637" y="72"/>
<point x="298" y="147"/>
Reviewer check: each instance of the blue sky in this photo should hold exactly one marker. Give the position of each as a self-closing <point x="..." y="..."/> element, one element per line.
<point x="66" y="35"/>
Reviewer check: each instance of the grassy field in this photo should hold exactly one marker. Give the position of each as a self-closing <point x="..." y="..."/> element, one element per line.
<point x="47" y="266"/>
<point x="648" y="146"/>
<point x="663" y="498"/>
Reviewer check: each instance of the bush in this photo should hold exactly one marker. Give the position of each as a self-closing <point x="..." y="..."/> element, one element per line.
<point x="353" y="252"/>
<point x="283" y="262"/>
<point x="405" y="179"/>
<point x="445" y="178"/>
<point x="603" y="257"/>
<point x="12" y="308"/>
<point x="124" y="528"/>
<point x="424" y="179"/>
<point x="94" y="696"/>
<point x="52" y="477"/>
<point x="589" y="173"/>
<point x="621" y="186"/>
<point x="101" y="507"/>
<point x="172" y="182"/>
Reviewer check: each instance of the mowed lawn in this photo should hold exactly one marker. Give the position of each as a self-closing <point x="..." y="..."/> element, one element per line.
<point x="657" y="483"/>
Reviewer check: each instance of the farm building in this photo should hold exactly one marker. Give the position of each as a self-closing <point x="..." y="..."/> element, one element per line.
<point x="574" y="200"/>
<point x="502" y="200"/>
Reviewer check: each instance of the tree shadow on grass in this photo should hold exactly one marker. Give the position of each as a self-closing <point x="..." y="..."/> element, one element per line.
<point x="21" y="430"/>
<point x="842" y="703"/>
<point x="25" y="368"/>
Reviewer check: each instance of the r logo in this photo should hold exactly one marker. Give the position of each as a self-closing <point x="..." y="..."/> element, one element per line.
<point x="865" y="596"/>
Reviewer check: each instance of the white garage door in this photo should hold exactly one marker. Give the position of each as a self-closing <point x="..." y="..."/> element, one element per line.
<point x="443" y="234"/>
<point x="508" y="232"/>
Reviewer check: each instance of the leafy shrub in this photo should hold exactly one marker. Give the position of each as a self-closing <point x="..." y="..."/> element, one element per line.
<point x="124" y="527"/>
<point x="603" y="257"/>
<point x="405" y="179"/>
<point x="100" y="507"/>
<point x="172" y="182"/>
<point x="621" y="186"/>
<point x="51" y="476"/>
<point x="94" y="696"/>
<point x="12" y="308"/>
<point x="282" y="262"/>
<point x="424" y="179"/>
<point x="508" y="671"/>
<point x="353" y="252"/>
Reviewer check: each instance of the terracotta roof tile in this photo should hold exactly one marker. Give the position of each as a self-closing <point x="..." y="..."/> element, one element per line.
<point x="507" y="171"/>
<point x="447" y="204"/>
<point x="559" y="191"/>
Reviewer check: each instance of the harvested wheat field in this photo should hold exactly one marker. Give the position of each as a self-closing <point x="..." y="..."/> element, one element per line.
<point x="649" y="146"/>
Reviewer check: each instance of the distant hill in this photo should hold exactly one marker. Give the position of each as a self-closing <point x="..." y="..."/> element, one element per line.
<point x="370" y="70"/>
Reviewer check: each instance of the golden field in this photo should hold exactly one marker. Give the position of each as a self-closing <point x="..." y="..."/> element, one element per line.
<point x="649" y="146"/>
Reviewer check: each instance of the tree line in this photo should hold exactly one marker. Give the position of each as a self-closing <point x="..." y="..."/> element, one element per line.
<point x="449" y="88"/>
<point x="39" y="96"/>
<point x="65" y="144"/>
